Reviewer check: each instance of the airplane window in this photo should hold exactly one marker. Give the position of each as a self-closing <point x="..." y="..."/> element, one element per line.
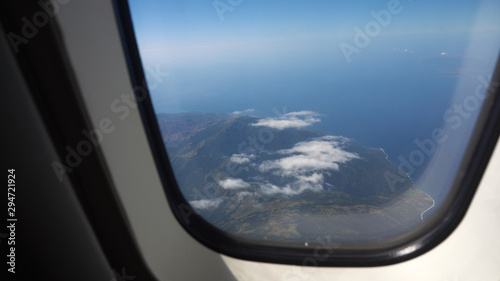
<point x="299" y="123"/>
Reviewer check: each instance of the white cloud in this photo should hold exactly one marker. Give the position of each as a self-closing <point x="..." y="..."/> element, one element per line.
<point x="291" y="189"/>
<point x="313" y="182"/>
<point x="319" y="154"/>
<point x="306" y="163"/>
<point x="301" y="113"/>
<point x="242" y="158"/>
<point x="233" y="184"/>
<point x="314" y="178"/>
<point x="298" y="119"/>
<point x="243" y="112"/>
<point x="244" y="194"/>
<point x="206" y="203"/>
<point x="444" y="53"/>
<point x="291" y="165"/>
<point x="340" y="140"/>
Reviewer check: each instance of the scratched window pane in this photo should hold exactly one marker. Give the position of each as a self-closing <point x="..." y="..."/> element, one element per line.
<point x="299" y="121"/>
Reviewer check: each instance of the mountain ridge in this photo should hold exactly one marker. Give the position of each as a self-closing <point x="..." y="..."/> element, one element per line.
<point x="242" y="178"/>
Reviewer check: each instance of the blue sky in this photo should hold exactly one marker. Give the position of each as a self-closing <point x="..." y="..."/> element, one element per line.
<point x="170" y="24"/>
<point x="285" y="56"/>
<point x="189" y="35"/>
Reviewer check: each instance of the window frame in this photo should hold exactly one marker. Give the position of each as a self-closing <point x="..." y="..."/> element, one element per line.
<point x="432" y="232"/>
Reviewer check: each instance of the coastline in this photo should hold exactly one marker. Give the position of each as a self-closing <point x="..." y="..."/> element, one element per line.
<point x="386" y="156"/>
<point x="433" y="204"/>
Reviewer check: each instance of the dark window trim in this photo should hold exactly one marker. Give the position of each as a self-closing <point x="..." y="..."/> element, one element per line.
<point x="428" y="236"/>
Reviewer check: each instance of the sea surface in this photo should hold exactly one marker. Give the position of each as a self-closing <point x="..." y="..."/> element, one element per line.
<point x="392" y="95"/>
